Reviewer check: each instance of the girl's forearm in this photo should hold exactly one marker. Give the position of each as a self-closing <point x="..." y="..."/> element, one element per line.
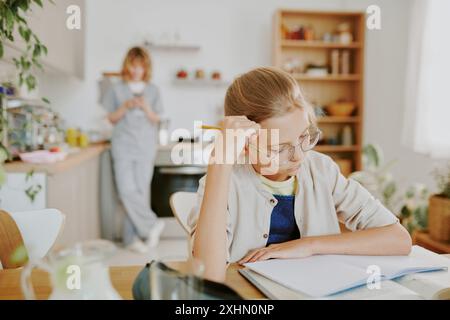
<point x="388" y="240"/>
<point x="210" y="244"/>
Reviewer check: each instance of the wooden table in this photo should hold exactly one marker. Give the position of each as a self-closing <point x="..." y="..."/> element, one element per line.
<point x="122" y="279"/>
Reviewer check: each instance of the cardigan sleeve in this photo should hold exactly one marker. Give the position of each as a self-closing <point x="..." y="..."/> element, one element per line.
<point x="355" y="206"/>
<point x="194" y="214"/>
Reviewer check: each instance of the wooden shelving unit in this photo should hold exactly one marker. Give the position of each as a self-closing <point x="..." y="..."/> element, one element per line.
<point x="323" y="90"/>
<point x="305" y="77"/>
<point x="201" y="82"/>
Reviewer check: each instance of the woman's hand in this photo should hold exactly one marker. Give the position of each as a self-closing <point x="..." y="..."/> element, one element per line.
<point x="141" y="103"/>
<point x="234" y="137"/>
<point x="300" y="248"/>
<point x="115" y="116"/>
<point x="131" y="103"/>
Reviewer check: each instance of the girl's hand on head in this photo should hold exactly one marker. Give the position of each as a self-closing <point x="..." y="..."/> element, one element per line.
<point x="234" y="137"/>
<point x="300" y="248"/>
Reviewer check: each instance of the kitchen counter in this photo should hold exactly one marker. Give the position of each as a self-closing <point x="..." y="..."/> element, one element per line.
<point x="71" y="186"/>
<point x="72" y="160"/>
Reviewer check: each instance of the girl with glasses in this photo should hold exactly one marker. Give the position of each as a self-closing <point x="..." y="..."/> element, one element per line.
<point x="245" y="213"/>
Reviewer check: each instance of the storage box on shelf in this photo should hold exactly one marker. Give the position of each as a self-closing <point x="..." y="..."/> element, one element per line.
<point x="324" y="51"/>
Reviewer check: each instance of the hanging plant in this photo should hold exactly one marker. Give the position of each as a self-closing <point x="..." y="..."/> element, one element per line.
<point x="13" y="22"/>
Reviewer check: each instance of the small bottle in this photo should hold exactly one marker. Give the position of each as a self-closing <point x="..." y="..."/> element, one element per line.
<point x="335" y="62"/>
<point x="345" y="62"/>
<point x="347" y="136"/>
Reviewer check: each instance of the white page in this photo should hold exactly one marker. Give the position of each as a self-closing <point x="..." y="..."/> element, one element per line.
<point x="394" y="266"/>
<point x="329" y="274"/>
<point x="388" y="290"/>
<point x="315" y="276"/>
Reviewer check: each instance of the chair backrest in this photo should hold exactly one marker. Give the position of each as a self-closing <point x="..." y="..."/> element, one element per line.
<point x="39" y="230"/>
<point x="181" y="204"/>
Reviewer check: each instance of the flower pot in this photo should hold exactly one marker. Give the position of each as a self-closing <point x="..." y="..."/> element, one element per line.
<point x="439" y="218"/>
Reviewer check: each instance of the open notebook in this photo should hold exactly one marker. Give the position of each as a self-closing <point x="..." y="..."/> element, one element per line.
<point x="320" y="276"/>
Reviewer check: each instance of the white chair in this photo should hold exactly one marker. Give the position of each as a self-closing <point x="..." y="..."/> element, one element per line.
<point x="39" y="230"/>
<point x="181" y="204"/>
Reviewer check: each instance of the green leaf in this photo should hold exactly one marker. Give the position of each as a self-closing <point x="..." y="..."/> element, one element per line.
<point x="9" y="17"/>
<point x="389" y="190"/>
<point x="30" y="82"/>
<point x="39" y="3"/>
<point x="29" y="175"/>
<point x="46" y="100"/>
<point x="24" y="33"/>
<point x="36" y="51"/>
<point x="372" y="154"/>
<point x="20" y="255"/>
<point x="33" y="191"/>
<point x="44" y="48"/>
<point x="24" y="5"/>
<point x="3" y="154"/>
<point x="405" y="213"/>
<point x="2" y="175"/>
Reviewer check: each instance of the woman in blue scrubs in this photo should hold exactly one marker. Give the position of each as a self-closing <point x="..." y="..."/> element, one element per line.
<point x="134" y="106"/>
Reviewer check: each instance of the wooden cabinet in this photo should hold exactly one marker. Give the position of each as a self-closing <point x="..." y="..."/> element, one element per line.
<point x="65" y="47"/>
<point x="305" y="44"/>
<point x="71" y="186"/>
<point x="76" y="193"/>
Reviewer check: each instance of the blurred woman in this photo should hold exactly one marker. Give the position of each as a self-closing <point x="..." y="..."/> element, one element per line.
<point x="134" y="105"/>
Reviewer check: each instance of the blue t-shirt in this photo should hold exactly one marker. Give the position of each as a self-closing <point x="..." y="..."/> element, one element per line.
<point x="282" y="221"/>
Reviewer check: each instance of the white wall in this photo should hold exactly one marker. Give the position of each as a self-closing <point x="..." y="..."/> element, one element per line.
<point x="235" y="36"/>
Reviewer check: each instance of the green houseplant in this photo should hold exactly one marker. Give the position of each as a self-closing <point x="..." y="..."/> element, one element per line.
<point x="439" y="206"/>
<point x="13" y="23"/>
<point x="410" y="205"/>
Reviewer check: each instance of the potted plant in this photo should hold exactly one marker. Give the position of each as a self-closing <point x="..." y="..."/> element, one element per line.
<point x="13" y="15"/>
<point x="439" y="206"/>
<point x="410" y="206"/>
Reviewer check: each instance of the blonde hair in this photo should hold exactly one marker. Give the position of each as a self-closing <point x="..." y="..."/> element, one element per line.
<point x="264" y="93"/>
<point x="137" y="54"/>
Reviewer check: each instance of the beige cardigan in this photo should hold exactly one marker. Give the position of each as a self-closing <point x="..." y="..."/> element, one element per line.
<point x="324" y="197"/>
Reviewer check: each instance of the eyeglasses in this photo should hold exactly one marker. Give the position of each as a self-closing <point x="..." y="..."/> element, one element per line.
<point x="307" y="141"/>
